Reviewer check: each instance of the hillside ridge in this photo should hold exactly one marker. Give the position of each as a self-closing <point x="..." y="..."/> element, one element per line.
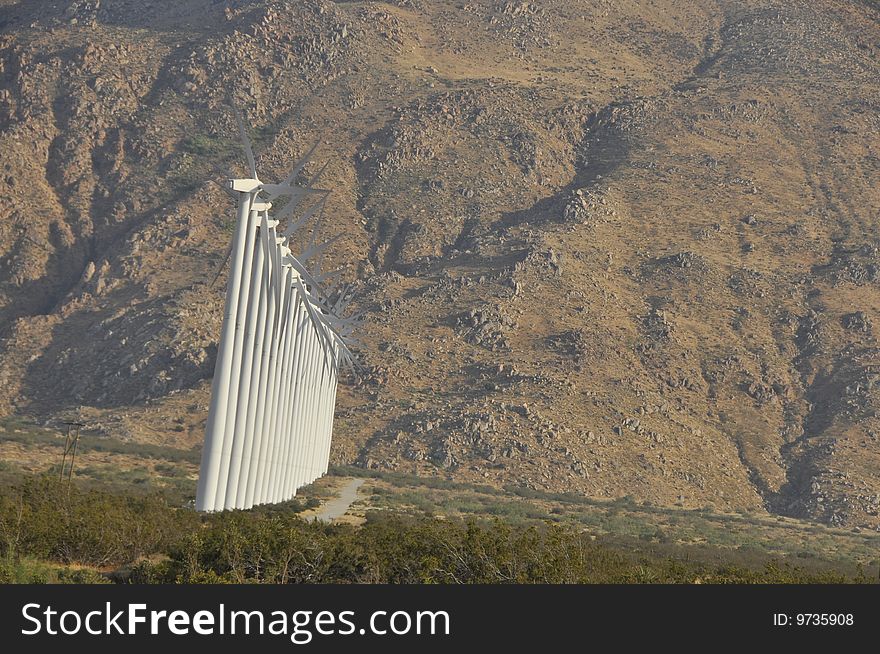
<point x="613" y="248"/>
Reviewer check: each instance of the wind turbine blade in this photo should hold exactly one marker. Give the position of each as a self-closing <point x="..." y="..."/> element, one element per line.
<point x="274" y="191"/>
<point x="328" y="293"/>
<point x="296" y="199"/>
<point x="339" y="341"/>
<point x="264" y="230"/>
<point x="344" y="357"/>
<point x="299" y="165"/>
<point x="293" y="227"/>
<point x="317" y="176"/>
<point x="338" y="291"/>
<point x="315" y="230"/>
<point x="323" y="325"/>
<point x="276" y="261"/>
<point x="319" y="274"/>
<point x="328" y="321"/>
<point x="344" y="300"/>
<point x="317" y="324"/>
<point x="317" y="249"/>
<point x="351" y="342"/>
<point x="306" y="275"/>
<point x="270" y="272"/>
<point x="345" y="323"/>
<point x="264" y="238"/>
<point x="246" y="144"/>
<point x="281" y="320"/>
<point x="329" y="276"/>
<point x="222" y="265"/>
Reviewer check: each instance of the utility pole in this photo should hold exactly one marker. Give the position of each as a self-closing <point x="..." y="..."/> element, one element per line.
<point x="71" y="440"/>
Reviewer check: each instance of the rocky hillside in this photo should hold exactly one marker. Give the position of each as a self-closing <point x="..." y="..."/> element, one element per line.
<point x="610" y="246"/>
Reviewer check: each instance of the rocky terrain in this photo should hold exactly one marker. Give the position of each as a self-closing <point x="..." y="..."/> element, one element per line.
<point x="613" y="247"/>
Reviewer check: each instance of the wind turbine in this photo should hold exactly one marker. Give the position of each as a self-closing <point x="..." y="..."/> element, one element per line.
<point x="282" y="345"/>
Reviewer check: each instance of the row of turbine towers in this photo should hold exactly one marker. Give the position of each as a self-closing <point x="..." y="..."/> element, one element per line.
<point x="281" y="348"/>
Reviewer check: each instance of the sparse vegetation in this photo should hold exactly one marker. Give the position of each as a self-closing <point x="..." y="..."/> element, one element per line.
<point x="25" y="433"/>
<point x="703" y="533"/>
<point x="50" y="532"/>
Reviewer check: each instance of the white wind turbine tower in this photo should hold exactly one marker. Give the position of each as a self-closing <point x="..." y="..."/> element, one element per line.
<point x="281" y="348"/>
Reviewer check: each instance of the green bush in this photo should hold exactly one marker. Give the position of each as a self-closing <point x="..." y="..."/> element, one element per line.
<point x="46" y="518"/>
<point x="142" y="538"/>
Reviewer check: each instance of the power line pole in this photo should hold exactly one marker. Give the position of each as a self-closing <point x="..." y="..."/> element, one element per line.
<point x="71" y="440"/>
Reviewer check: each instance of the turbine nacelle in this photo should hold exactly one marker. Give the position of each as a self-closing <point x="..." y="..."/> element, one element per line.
<point x="246" y="185"/>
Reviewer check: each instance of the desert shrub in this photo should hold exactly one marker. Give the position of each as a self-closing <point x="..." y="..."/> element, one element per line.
<point x="80" y="576"/>
<point x="148" y="540"/>
<point x="46" y="518"/>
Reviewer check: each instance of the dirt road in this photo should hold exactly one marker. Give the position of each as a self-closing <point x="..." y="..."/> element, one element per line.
<point x="337" y="507"/>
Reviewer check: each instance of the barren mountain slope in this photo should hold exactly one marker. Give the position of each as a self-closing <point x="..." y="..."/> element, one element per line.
<point x="612" y="247"/>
